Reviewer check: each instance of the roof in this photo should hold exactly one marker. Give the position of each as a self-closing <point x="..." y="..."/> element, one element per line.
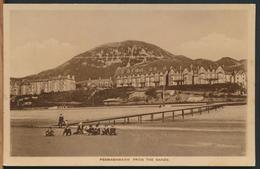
<point x="138" y="71"/>
<point x="27" y="82"/>
<point x="135" y="70"/>
<point x="113" y="100"/>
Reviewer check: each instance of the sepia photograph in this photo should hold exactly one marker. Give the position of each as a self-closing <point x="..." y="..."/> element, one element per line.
<point x="121" y="84"/>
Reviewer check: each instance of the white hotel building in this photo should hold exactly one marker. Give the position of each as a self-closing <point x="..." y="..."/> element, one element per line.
<point x="36" y="87"/>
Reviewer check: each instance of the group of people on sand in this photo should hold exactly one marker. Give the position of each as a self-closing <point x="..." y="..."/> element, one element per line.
<point x="96" y="129"/>
<point x="81" y="129"/>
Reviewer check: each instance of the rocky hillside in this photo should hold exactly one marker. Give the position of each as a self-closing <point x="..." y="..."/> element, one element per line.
<point x="232" y="64"/>
<point x="104" y="60"/>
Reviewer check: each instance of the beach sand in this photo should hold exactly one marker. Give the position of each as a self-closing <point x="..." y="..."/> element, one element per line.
<point x="218" y="133"/>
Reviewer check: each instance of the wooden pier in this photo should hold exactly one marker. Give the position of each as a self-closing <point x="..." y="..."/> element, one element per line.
<point x="163" y="115"/>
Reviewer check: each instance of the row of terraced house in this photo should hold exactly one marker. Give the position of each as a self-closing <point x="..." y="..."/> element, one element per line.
<point x="134" y="77"/>
<point x="189" y="75"/>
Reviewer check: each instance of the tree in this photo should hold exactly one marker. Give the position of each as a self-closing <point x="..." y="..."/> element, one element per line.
<point x="151" y="92"/>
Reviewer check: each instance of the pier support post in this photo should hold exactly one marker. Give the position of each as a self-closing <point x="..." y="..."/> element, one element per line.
<point x="140" y="119"/>
<point x="162" y="117"/>
<point x="151" y="117"/>
<point x="208" y="109"/>
<point x="173" y="116"/>
<point x="114" y="122"/>
<point x="124" y="120"/>
<point x="182" y="113"/>
<point x="127" y="120"/>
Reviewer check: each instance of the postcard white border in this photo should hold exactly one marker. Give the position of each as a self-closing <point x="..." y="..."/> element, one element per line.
<point x="247" y="160"/>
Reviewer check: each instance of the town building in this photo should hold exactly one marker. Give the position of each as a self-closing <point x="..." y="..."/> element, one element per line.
<point x="113" y="101"/>
<point x="241" y="79"/>
<point x="15" y="88"/>
<point x="96" y="83"/>
<point x="140" y="78"/>
<point x="229" y="77"/>
<point x="137" y="77"/>
<point x="174" y="76"/>
<point x="211" y="74"/>
<point x="39" y="86"/>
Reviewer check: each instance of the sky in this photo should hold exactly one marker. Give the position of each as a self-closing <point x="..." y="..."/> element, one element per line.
<point x="44" y="39"/>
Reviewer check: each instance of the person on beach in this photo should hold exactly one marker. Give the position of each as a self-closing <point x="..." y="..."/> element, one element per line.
<point x="79" y="129"/>
<point x="66" y="123"/>
<point x="67" y="131"/>
<point x="112" y="130"/>
<point x="105" y="130"/>
<point x="86" y="128"/>
<point x="89" y="129"/>
<point x="97" y="131"/>
<point x="49" y="132"/>
<point x="61" y="121"/>
<point x="94" y="131"/>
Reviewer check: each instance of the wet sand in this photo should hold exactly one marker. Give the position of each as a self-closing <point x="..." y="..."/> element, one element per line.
<point x="218" y="133"/>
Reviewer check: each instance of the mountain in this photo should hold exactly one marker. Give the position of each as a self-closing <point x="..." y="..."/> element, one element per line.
<point x="227" y="61"/>
<point x="243" y="62"/>
<point x="104" y="60"/>
<point x="232" y="64"/>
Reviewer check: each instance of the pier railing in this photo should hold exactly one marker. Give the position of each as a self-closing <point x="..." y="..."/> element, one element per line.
<point x="166" y="114"/>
